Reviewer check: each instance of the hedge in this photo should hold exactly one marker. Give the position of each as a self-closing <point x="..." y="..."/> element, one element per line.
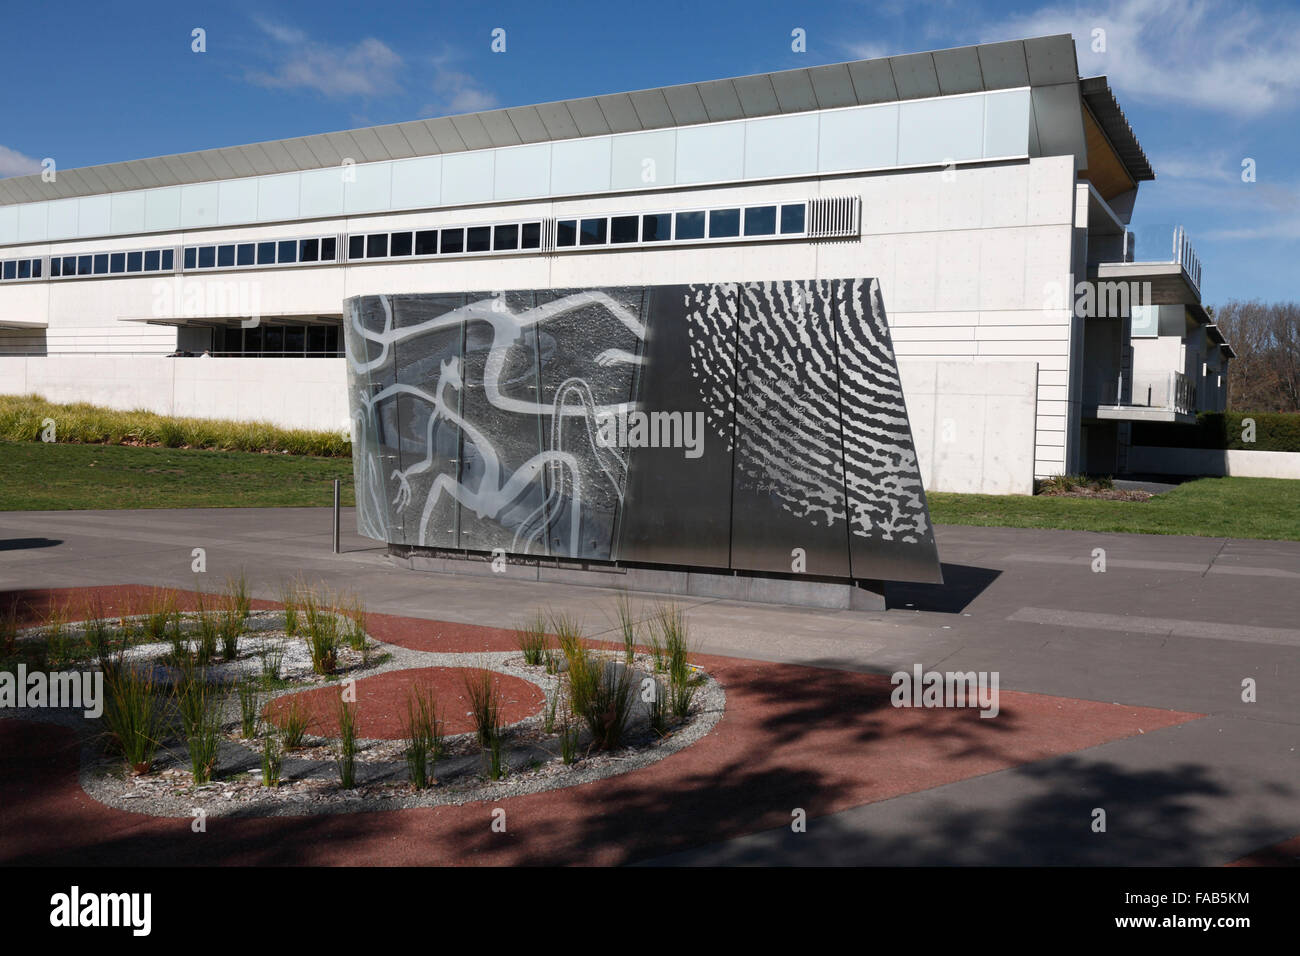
<point x="1274" y="431"/>
<point x="23" y="418"/>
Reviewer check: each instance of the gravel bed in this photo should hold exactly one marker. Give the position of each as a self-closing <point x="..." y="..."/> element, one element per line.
<point x="309" y="781"/>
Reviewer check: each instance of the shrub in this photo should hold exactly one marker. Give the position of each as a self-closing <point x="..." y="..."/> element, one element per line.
<point x="9" y="630"/>
<point x="201" y="713"/>
<point x="134" y="716"/>
<point x="683" y="679"/>
<point x="231" y="627"/>
<point x="289" y="598"/>
<point x="1274" y="431"/>
<point x="322" y="635"/>
<point x="294" y="721"/>
<point x="354" y="616"/>
<point x="237" y="596"/>
<point x="58" y="641"/>
<point x="346" y="754"/>
<point x="421" y="731"/>
<point x="272" y="661"/>
<point x="250" y="705"/>
<point x="272" y="759"/>
<point x="627" y="625"/>
<point x="600" y="693"/>
<point x="485" y="706"/>
<point x="159" y="610"/>
<point x="532" y="640"/>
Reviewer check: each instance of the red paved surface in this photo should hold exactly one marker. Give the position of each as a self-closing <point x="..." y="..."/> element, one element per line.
<point x="1286" y="853"/>
<point x="792" y="736"/>
<point x="382" y="700"/>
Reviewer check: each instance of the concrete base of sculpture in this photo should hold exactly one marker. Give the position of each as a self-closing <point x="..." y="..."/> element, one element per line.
<point x="725" y="585"/>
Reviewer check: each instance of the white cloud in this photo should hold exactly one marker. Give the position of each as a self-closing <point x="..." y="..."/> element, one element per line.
<point x="1211" y="54"/>
<point x="14" y="163"/>
<point x="461" y="93"/>
<point x="369" y="67"/>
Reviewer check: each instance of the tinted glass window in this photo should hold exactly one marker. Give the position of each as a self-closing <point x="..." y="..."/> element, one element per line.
<point x="294" y="338"/>
<point x="117" y="262"/>
<point x="479" y="239"/>
<point x="273" y="339"/>
<point x="225" y="256"/>
<point x="69" y="265"/>
<point x="724" y="223"/>
<point x="151" y="260"/>
<point x="83" y="266"/>
<point x="266" y="253"/>
<point x="101" y="264"/>
<point x="623" y="229"/>
<point x="56" y="268"/>
<point x="356" y="247"/>
<point x="505" y="237"/>
<point x="134" y="261"/>
<point x="400" y="245"/>
<point x="760" y="221"/>
<point x="316" y="338"/>
<point x="168" y="257"/>
<point x="207" y="257"/>
<point x="426" y="243"/>
<point x="690" y="225"/>
<point x="36" y="268"/>
<point x="327" y="249"/>
<point x="245" y="254"/>
<point x="656" y="228"/>
<point x="309" y="250"/>
<point x="566" y="232"/>
<point x="24" y="268"/>
<point x="11" y="268"/>
<point x="377" y="245"/>
<point x="253" y="339"/>
<point x="531" y="237"/>
<point x="453" y="240"/>
<point x="288" y="251"/>
<point x="593" y="232"/>
<point x="792" y="218"/>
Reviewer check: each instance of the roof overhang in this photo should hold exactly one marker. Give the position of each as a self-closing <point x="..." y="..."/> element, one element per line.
<point x="1046" y="64"/>
<point x="22" y="325"/>
<point x="228" y="321"/>
<point x="1105" y="108"/>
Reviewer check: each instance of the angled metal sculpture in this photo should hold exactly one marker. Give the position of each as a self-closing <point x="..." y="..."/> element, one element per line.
<point x="712" y="426"/>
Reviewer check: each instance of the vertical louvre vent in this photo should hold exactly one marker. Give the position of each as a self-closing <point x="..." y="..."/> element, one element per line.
<point x="834" y="217"/>
<point x="548" y="235"/>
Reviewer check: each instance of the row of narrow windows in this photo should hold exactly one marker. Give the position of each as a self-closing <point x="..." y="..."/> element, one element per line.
<point x="787" y="220"/>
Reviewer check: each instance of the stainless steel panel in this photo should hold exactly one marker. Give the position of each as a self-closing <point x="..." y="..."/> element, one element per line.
<point x="787" y="510"/>
<point x="677" y="508"/>
<point x="590" y="347"/>
<point x="890" y="536"/>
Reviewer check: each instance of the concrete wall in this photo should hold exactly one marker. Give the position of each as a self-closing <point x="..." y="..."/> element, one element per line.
<point x="290" y="392"/>
<point x="973" y="424"/>
<point x="1208" y="461"/>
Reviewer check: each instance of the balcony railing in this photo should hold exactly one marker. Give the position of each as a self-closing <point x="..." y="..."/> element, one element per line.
<point x="1148" y="244"/>
<point x="1172" y="390"/>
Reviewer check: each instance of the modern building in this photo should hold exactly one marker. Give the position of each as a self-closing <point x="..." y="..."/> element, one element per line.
<point x="988" y="188"/>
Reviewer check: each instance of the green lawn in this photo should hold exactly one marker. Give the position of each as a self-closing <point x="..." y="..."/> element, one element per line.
<point x="36" y="476"/>
<point x="1210" y="507"/>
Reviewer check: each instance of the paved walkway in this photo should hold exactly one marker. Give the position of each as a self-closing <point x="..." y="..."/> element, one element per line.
<point x="1173" y="624"/>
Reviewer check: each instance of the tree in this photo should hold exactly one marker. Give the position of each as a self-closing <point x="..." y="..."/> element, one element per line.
<point x="1265" y="375"/>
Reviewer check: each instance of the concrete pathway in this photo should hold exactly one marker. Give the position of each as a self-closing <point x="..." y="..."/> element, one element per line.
<point x="1173" y="622"/>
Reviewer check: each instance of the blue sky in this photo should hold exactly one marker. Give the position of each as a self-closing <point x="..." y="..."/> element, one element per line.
<point x="1206" y="84"/>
